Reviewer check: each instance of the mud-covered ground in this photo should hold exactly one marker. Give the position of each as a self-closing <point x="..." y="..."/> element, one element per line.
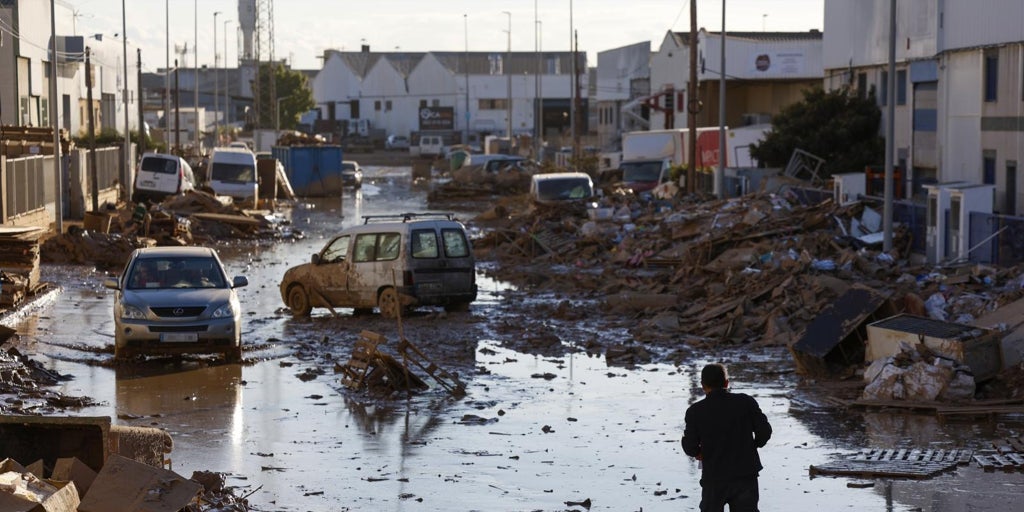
<point x="549" y="420"/>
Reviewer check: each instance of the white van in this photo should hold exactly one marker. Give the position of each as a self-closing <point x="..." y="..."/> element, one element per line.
<point x="233" y="173"/>
<point x="431" y="146"/>
<point x="391" y="262"/>
<point x="159" y="176"/>
<point x="559" y="187"/>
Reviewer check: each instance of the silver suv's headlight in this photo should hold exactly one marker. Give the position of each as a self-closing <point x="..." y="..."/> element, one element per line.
<point x="133" y="313"/>
<point x="224" y="311"/>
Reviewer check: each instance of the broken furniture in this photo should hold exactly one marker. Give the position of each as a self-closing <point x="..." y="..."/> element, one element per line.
<point x="835" y="339"/>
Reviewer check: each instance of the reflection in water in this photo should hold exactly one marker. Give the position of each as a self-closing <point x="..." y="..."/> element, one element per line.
<point x="203" y="402"/>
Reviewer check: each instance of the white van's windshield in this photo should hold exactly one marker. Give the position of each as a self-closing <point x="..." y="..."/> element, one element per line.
<point x="238" y="173"/>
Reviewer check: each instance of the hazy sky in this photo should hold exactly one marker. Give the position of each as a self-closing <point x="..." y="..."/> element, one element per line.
<point x="303" y="29"/>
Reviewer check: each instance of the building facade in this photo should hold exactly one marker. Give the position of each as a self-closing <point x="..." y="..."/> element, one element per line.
<point x="623" y="80"/>
<point x="765" y="72"/>
<point x="465" y="93"/>
<point x="25" y="80"/>
<point x="959" y="86"/>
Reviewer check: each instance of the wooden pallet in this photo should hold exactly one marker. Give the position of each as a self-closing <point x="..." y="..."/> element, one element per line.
<point x="364" y="355"/>
<point x="1008" y="455"/>
<point x="1008" y="462"/>
<point x="895" y="463"/>
<point x="447" y="380"/>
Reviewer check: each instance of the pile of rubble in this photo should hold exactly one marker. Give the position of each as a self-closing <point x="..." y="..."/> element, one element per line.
<point x="757" y="269"/>
<point x="194" y="218"/>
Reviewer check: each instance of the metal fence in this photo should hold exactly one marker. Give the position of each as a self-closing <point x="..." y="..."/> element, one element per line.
<point x="28" y="184"/>
<point x="996" y="239"/>
<point x="108" y="165"/>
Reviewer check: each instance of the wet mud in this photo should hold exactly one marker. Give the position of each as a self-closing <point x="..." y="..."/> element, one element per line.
<point x="565" y="409"/>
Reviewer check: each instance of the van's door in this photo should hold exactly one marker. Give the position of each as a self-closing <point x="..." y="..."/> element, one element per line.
<point x="442" y="266"/>
<point x="332" y="271"/>
<point x="374" y="255"/>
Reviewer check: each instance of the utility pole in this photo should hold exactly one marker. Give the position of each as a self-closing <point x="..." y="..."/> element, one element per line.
<point x="465" y="70"/>
<point x="93" y="171"/>
<point x="536" y="84"/>
<point x="577" y="102"/>
<point x="177" y="112"/>
<point x="890" y="133"/>
<point x="216" y="84"/>
<point x="126" y="172"/>
<point x="195" y="83"/>
<point x="54" y="122"/>
<point x="508" y="74"/>
<point x="722" y="153"/>
<point x="142" y="116"/>
<point x="693" y="105"/>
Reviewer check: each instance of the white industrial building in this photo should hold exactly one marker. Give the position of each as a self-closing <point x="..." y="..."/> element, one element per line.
<point x="623" y="79"/>
<point x="25" y="80"/>
<point x="764" y="72"/>
<point x="959" y="86"/>
<point x="458" y="92"/>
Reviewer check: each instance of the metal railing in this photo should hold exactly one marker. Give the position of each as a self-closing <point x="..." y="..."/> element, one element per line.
<point x="28" y="185"/>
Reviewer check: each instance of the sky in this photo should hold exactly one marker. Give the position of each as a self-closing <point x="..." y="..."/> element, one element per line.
<point x="303" y="29"/>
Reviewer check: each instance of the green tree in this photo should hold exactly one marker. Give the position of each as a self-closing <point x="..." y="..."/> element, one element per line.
<point x="290" y="85"/>
<point x="834" y="125"/>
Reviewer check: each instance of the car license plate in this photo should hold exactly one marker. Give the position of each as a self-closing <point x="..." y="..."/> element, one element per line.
<point x="179" y="336"/>
<point x="147" y="184"/>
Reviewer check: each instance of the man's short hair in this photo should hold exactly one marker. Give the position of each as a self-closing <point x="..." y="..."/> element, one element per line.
<point x="714" y="376"/>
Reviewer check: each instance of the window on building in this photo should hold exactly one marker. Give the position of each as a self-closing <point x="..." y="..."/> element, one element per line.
<point x="991" y="76"/>
<point x="377" y="105"/>
<point x="387" y="105"/>
<point x="1011" y="188"/>
<point x="353" y="108"/>
<point x="553" y="65"/>
<point x="901" y="87"/>
<point x="435" y="103"/>
<point x="497" y="64"/>
<point x="423" y="103"/>
<point x="492" y="104"/>
<point x="862" y="85"/>
<point x="883" y="89"/>
<point x="988" y="167"/>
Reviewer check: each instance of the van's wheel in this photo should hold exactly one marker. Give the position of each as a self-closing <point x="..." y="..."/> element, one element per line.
<point x="298" y="301"/>
<point x="388" y="303"/>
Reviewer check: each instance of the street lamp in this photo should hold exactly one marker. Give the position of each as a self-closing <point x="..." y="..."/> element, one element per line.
<point x="216" y="84"/>
<point x="227" y="106"/>
<point x="508" y="73"/>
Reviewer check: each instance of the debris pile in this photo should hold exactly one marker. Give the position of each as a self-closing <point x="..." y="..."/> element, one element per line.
<point x="79" y="466"/>
<point x="193" y="218"/>
<point x="19" y="264"/>
<point x="916" y="374"/>
<point x="754" y="269"/>
<point x="385" y="375"/>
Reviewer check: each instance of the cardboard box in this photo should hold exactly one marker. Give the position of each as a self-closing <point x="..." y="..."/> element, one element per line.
<point x="23" y="492"/>
<point x="128" y="486"/>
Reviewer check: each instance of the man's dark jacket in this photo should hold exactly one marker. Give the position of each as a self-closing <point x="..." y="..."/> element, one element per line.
<point x="726" y="429"/>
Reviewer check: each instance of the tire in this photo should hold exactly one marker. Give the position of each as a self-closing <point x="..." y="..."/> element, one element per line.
<point x="388" y="304"/>
<point x="298" y="301"/>
<point x="361" y="311"/>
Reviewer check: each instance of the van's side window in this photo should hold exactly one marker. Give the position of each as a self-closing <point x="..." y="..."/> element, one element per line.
<point x="377" y="247"/>
<point x="389" y="245"/>
<point x="424" y="243"/>
<point x="455" y="245"/>
<point x="336" y="251"/>
<point x="365" y="246"/>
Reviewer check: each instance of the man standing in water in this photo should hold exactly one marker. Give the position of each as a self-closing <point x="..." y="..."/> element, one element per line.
<point x="724" y="431"/>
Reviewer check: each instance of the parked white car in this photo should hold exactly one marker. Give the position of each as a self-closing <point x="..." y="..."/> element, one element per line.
<point x="160" y="175"/>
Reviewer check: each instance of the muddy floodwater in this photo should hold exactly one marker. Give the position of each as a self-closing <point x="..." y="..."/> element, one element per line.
<point x="535" y="431"/>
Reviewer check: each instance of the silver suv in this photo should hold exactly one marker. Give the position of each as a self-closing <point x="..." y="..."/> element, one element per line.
<point x="391" y="262"/>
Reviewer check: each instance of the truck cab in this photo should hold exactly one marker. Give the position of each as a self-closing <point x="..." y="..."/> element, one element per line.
<point x="645" y="175"/>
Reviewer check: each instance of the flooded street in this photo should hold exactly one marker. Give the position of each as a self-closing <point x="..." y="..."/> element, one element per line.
<point x="537" y="430"/>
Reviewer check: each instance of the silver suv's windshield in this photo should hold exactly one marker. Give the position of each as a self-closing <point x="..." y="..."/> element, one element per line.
<point x="176" y="272"/>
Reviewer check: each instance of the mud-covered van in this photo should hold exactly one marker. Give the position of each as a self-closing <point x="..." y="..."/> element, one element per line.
<point x="389" y="262"/>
